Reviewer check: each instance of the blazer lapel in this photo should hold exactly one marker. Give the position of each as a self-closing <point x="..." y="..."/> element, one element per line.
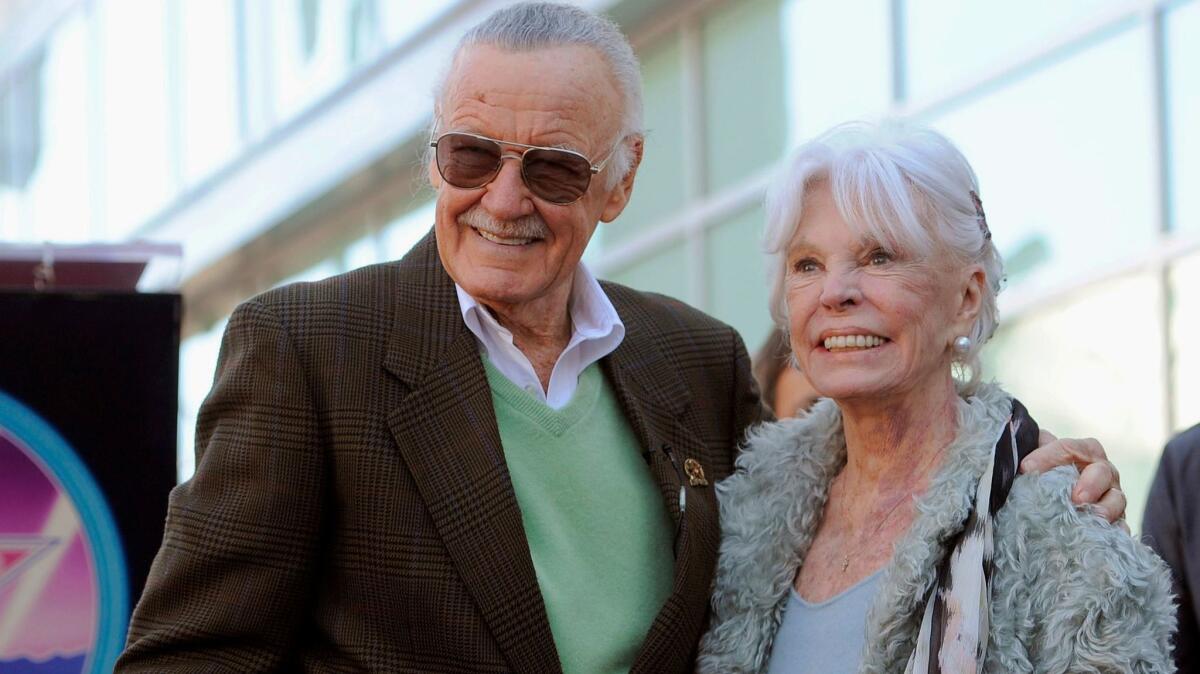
<point x="447" y="435"/>
<point x="654" y="399"/>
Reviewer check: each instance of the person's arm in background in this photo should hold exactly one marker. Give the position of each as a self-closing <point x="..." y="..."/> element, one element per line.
<point x="1162" y="530"/>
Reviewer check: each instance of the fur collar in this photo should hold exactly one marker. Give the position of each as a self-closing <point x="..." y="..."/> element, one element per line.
<point x="770" y="509"/>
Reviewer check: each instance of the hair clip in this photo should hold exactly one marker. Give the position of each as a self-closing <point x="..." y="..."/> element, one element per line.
<point x="987" y="233"/>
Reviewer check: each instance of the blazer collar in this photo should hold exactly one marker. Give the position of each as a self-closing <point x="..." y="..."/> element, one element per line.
<point x="447" y="435"/>
<point x="427" y="321"/>
<point x="428" y="318"/>
<point x="655" y="401"/>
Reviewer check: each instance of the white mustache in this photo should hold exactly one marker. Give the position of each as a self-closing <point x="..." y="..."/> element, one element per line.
<point x="530" y="226"/>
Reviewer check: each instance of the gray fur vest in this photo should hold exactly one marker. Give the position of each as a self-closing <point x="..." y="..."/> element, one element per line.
<point x="1070" y="592"/>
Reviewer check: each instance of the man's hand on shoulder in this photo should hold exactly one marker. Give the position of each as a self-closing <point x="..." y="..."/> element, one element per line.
<point x="1099" y="484"/>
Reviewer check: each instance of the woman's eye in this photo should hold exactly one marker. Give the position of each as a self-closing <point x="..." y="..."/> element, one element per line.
<point x="804" y="266"/>
<point x="880" y="257"/>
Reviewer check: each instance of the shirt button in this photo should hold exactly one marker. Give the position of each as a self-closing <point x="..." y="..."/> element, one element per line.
<point x="530" y="388"/>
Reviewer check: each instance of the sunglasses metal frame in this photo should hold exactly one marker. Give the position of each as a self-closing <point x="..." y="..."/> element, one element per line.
<point x="593" y="168"/>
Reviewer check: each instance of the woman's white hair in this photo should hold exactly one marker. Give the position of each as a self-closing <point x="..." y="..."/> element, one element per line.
<point x="909" y="189"/>
<point x="529" y="26"/>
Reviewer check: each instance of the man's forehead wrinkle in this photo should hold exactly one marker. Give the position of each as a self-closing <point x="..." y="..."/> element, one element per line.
<point x="549" y="120"/>
<point x="555" y="97"/>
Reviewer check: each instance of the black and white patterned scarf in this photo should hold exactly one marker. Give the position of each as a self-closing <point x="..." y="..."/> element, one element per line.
<point x="954" y="629"/>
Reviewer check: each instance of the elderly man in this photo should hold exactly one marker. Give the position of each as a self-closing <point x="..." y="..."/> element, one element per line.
<point x="478" y="458"/>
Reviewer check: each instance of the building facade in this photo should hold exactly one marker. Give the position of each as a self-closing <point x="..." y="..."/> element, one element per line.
<point x="281" y="140"/>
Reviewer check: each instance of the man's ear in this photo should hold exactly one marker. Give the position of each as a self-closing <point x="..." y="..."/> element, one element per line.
<point x="435" y="178"/>
<point x="619" y="197"/>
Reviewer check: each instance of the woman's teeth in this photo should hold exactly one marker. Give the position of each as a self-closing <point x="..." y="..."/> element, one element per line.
<point x="847" y="342"/>
<point x="502" y="240"/>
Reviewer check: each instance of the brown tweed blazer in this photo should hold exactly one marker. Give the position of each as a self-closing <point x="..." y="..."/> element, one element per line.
<point x="351" y="509"/>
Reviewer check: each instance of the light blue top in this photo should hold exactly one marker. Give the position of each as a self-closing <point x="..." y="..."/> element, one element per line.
<point x="825" y="637"/>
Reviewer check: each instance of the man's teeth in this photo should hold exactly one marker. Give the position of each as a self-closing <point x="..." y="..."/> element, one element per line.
<point x="853" y="342"/>
<point x="502" y="240"/>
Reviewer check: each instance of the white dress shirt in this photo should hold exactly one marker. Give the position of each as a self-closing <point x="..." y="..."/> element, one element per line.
<point x="596" y="331"/>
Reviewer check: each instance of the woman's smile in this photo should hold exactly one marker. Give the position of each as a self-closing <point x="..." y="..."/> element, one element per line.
<point x="853" y="342"/>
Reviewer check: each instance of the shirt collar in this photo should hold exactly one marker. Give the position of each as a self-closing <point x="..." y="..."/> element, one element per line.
<point x="596" y="331"/>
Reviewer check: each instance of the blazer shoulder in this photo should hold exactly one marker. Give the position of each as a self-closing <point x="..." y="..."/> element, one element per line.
<point x="358" y="286"/>
<point x="364" y="298"/>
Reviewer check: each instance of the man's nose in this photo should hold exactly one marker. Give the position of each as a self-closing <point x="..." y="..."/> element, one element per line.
<point x="841" y="289"/>
<point x="507" y="197"/>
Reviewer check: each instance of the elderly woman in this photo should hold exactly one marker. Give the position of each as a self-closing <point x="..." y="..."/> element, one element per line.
<point x="884" y="531"/>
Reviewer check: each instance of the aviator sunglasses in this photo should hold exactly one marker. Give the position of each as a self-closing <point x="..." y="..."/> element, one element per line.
<point x="559" y="176"/>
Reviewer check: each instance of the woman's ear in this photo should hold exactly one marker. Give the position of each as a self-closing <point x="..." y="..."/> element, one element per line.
<point x="970" y="300"/>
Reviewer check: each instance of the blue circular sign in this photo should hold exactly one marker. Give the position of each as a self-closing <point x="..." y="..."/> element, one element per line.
<point x="64" y="589"/>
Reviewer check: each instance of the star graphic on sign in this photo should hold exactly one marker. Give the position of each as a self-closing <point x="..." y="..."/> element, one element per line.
<point x="19" y="551"/>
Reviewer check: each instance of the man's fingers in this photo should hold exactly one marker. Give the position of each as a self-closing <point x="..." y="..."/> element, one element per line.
<point x="1112" y="507"/>
<point x="1049" y="453"/>
<point x="1097" y="482"/>
<point x="1079" y="452"/>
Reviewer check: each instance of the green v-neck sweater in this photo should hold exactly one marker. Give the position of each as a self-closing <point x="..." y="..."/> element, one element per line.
<point x="599" y="533"/>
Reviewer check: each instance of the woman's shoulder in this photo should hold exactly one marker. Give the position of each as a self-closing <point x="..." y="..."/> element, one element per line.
<point x="775" y="453"/>
<point x="1039" y="509"/>
<point x="813" y="430"/>
<point x="1096" y="596"/>
<point x="770" y="508"/>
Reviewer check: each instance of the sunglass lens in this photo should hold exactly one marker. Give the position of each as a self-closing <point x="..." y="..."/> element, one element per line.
<point x="466" y="161"/>
<point x="556" y="176"/>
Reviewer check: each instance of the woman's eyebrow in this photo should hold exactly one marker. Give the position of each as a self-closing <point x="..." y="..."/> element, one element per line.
<point x="870" y="243"/>
<point x="800" y="244"/>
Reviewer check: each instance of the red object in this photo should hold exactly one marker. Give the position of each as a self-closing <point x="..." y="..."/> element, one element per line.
<point x="73" y="274"/>
<point x="96" y="267"/>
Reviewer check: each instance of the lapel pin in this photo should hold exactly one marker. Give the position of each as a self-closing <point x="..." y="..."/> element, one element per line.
<point x="695" y="473"/>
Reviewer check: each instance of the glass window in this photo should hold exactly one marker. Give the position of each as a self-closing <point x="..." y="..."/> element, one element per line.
<point x="405" y="231"/>
<point x="45" y="191"/>
<point x="659" y="188"/>
<point x="11" y="223"/>
<point x="310" y="50"/>
<point x="1066" y="162"/>
<point x="135" y="157"/>
<point x="1185" y="325"/>
<point x="737" y="279"/>
<point x="744" y="93"/>
<point x="950" y="40"/>
<point x="402" y="20"/>
<point x="1074" y="367"/>
<point x="364" y="30"/>
<point x="363" y="252"/>
<point x="819" y="92"/>
<point x="208" y="86"/>
<point x="321" y="270"/>
<point x="1183" y="95"/>
<point x="666" y="272"/>
<point x="197" y="365"/>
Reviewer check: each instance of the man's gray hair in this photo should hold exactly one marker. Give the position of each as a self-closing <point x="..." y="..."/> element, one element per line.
<point x="528" y="26"/>
<point x="906" y="187"/>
